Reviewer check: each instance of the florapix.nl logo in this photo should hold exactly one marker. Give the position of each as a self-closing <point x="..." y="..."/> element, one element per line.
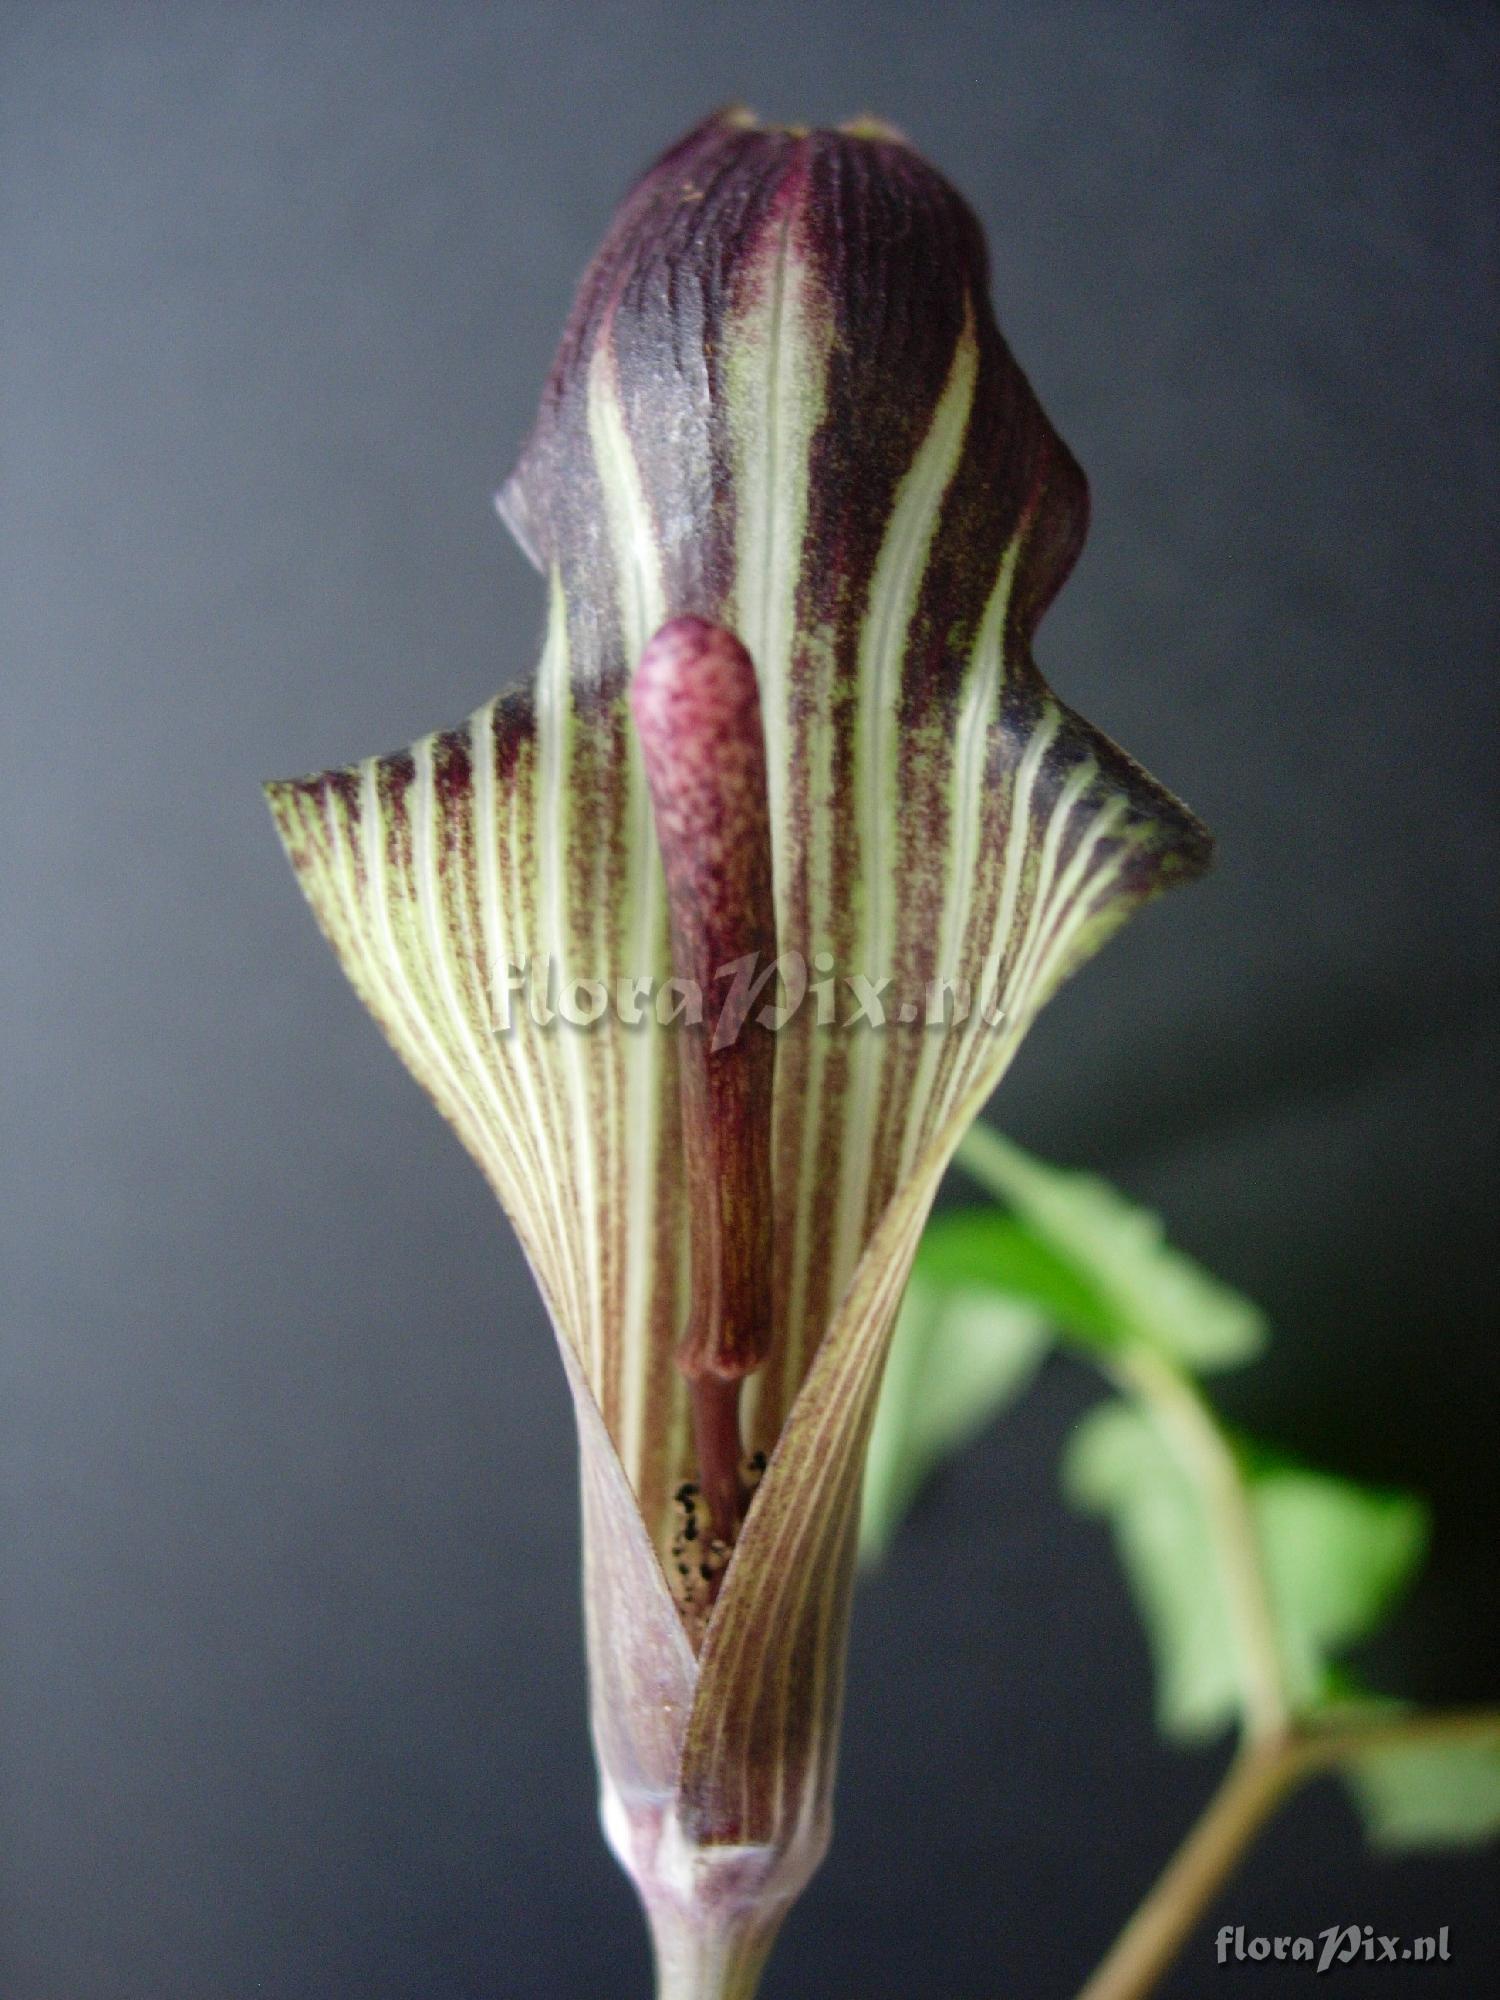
<point x="772" y="994"/>
<point x="1335" y="1947"/>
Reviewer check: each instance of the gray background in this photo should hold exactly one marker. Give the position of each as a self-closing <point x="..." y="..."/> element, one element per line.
<point x="292" y="1674"/>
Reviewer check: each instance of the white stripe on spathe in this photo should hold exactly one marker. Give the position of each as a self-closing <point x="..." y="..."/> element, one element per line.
<point x="991" y="951"/>
<point x="555" y="726"/>
<point x="540" y="1192"/>
<point x="643" y="609"/>
<point x="776" y="351"/>
<point x="1074" y="787"/>
<point x="970" y="762"/>
<point x="895" y="594"/>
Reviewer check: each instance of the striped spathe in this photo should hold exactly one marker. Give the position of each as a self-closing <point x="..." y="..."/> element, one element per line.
<point x="781" y="407"/>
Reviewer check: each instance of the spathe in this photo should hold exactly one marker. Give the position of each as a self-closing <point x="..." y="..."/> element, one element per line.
<point x="781" y="409"/>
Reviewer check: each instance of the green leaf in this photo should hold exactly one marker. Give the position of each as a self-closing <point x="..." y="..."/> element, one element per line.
<point x="1335" y="1554"/>
<point x="1072" y="1254"/>
<point x="1117" y="1464"/>
<point x="1338" y="1555"/>
<point x="987" y="1250"/>
<point x="1443" y="1791"/>
<point x="960" y="1353"/>
<point x="1142" y="1289"/>
<point x="1428" y="1794"/>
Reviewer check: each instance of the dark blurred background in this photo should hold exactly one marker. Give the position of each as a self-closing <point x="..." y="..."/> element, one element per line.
<point x="292" y="1671"/>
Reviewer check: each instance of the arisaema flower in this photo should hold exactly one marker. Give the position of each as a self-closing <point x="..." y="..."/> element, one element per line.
<point x="712" y="943"/>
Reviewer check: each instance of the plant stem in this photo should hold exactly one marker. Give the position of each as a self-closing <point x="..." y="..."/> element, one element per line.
<point x="1261" y="1777"/>
<point x="698" y="1958"/>
<point x="1254" y="1785"/>
<point x="1277" y="1752"/>
<point x="1208" y="1458"/>
<point x="1321" y="1745"/>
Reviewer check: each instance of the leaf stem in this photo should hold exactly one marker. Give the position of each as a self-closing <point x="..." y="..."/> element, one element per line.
<point x="1208" y="1458"/>
<point x="1259" y="1780"/>
<point x="1320" y="1744"/>
<point x="1277" y="1750"/>
<point x="1252" y="1788"/>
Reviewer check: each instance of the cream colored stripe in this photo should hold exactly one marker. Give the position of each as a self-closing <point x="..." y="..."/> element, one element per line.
<point x="631" y="529"/>
<point x="1073" y="789"/>
<point x="556" y="725"/>
<point x="895" y="596"/>
<point x="643" y="610"/>
<point x="373" y="937"/>
<point x="428" y="910"/>
<point x="970" y="764"/>
<point x="1075" y="902"/>
<point x="534" y="1052"/>
<point x="776" y="360"/>
<point x="1017" y="842"/>
<point x="426" y="1022"/>
<point x="500" y="947"/>
<point x="1013" y="1000"/>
